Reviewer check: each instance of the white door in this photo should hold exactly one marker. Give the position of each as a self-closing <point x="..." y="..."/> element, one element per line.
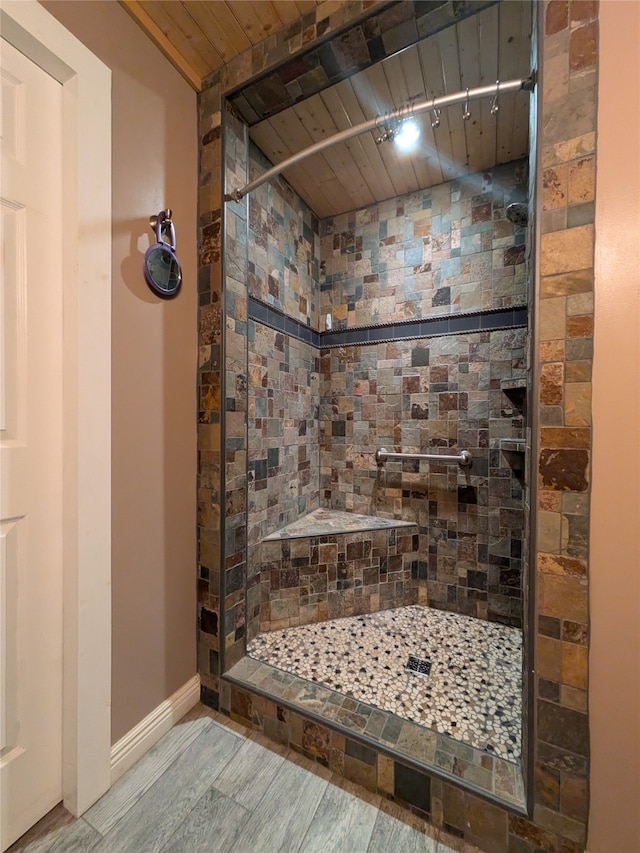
<point x="30" y="445"/>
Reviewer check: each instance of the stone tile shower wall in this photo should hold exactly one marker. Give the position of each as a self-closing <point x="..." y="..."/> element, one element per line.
<point x="222" y="377"/>
<point x="329" y="577"/>
<point x="442" y="250"/>
<point x="283" y="387"/>
<point x="241" y="579"/>
<point x="567" y="146"/>
<point x="283" y="441"/>
<point x="445" y="250"/>
<point x="283" y="383"/>
<point x="430" y="395"/>
<point x="285" y="247"/>
<point x="449" y="392"/>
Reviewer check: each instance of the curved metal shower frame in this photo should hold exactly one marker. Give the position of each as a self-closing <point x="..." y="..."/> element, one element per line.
<point x="431" y="105"/>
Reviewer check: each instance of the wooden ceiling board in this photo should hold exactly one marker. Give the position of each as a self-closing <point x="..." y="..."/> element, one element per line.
<point x="515" y="44"/>
<point x="399" y="167"/>
<point x="428" y="145"/>
<point x="200" y="36"/>
<point x="345" y="108"/>
<point x="400" y="92"/>
<point x="290" y="10"/>
<point x="162" y="42"/>
<point x="407" y="86"/>
<point x="488" y="25"/>
<point x="174" y="34"/>
<point x="442" y="74"/>
<point x="521" y="116"/>
<point x="469" y="60"/>
<point x="223" y="31"/>
<point x="286" y="10"/>
<point x="493" y="44"/>
<point x="321" y="205"/>
<point x="185" y="23"/>
<point x="315" y="117"/>
<point x="258" y="18"/>
<point x="304" y="6"/>
<point x="319" y="177"/>
<point x="360" y="105"/>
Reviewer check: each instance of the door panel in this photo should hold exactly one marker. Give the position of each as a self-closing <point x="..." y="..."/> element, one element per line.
<point x="30" y="445"/>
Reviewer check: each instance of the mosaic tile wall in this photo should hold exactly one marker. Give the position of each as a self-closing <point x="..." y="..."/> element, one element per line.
<point x="561" y="443"/>
<point x="423" y="396"/>
<point x="239" y="583"/>
<point x="283" y="484"/>
<point x="442" y="250"/>
<point x="327" y="577"/>
<point x="472" y="533"/>
<point x="283" y="437"/>
<point x="285" y="247"/>
<point x="567" y="152"/>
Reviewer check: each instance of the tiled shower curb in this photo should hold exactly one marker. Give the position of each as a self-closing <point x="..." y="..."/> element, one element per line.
<point x="501" y="770"/>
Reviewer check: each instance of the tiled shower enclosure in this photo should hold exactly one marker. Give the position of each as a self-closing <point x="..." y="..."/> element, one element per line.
<point x="319" y="404"/>
<point x="427" y="349"/>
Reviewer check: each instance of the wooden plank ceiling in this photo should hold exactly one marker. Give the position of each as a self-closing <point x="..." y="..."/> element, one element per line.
<point x="493" y="45"/>
<point x="200" y="36"/>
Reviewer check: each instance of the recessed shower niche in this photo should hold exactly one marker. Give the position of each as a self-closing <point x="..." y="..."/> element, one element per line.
<point x="378" y="299"/>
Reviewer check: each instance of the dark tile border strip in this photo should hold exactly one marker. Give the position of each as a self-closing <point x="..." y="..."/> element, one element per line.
<point x="491" y="320"/>
<point x="452" y="324"/>
<point x="275" y="319"/>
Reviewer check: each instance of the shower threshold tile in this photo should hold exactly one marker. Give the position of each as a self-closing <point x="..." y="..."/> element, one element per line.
<point x="306" y="695"/>
<point x="482" y="770"/>
<point x="471" y="694"/>
<point x="349" y="719"/>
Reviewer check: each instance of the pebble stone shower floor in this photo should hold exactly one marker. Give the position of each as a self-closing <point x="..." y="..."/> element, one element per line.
<point x="473" y="690"/>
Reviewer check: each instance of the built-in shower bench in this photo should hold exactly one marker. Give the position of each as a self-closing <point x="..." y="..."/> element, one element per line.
<point x="328" y="564"/>
<point x="325" y="522"/>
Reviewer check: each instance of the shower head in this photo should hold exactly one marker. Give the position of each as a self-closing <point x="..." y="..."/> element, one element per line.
<point x="518" y="213"/>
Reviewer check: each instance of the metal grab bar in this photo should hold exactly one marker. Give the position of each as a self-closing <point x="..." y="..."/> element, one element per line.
<point x="463" y="458"/>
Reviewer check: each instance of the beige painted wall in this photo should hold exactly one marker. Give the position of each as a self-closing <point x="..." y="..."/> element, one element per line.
<point x="154" y="365"/>
<point x="614" y="671"/>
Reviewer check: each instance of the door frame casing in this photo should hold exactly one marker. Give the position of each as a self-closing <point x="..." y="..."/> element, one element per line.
<point x="86" y="167"/>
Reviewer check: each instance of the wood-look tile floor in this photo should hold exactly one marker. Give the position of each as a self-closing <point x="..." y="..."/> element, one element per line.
<point x="210" y="785"/>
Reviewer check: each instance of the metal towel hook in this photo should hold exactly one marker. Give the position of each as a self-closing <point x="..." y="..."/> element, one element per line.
<point x="466" y="115"/>
<point x="385" y="125"/>
<point x="162" y="226"/>
<point x="494" y="101"/>
<point x="435" y="121"/>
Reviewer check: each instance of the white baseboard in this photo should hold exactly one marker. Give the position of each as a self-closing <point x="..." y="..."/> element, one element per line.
<point x="142" y="737"/>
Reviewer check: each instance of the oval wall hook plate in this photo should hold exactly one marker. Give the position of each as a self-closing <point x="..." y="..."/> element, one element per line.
<point x="162" y="269"/>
